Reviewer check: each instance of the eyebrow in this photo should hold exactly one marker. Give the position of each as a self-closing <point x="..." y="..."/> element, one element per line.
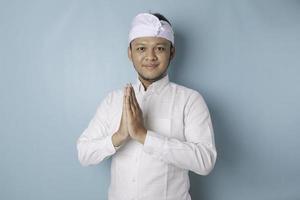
<point x="144" y="43"/>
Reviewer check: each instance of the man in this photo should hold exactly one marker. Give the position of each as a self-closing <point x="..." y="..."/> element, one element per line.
<point x="155" y="130"/>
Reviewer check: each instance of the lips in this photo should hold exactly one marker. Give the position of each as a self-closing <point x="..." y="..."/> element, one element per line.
<point x="151" y="65"/>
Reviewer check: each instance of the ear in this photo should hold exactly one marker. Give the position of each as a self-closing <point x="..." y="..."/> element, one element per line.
<point x="129" y="53"/>
<point x="172" y="53"/>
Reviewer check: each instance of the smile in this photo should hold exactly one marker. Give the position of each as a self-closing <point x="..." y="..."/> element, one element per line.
<point x="151" y="66"/>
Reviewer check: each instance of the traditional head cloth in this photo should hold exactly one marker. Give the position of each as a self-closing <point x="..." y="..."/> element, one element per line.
<point x="148" y="25"/>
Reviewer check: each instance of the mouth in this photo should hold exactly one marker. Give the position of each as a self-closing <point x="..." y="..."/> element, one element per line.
<point x="151" y="66"/>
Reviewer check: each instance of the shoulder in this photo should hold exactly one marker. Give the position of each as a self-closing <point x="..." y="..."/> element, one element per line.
<point x="111" y="99"/>
<point x="188" y="93"/>
<point x="194" y="101"/>
<point x="113" y="96"/>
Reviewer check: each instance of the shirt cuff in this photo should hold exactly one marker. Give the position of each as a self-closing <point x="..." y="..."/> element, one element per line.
<point x="109" y="145"/>
<point x="155" y="144"/>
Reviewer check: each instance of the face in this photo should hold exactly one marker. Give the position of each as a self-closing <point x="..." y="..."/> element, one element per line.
<point x="151" y="57"/>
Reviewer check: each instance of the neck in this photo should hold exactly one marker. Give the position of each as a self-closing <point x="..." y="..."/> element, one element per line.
<point x="147" y="82"/>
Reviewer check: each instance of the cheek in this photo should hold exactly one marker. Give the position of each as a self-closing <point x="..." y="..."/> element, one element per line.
<point x="137" y="59"/>
<point x="133" y="56"/>
<point x="136" y="55"/>
<point x="164" y="58"/>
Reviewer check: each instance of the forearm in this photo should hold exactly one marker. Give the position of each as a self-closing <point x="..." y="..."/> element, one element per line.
<point x="93" y="151"/>
<point x="197" y="157"/>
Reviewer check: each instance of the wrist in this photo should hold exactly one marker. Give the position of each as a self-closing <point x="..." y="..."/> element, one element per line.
<point x="141" y="136"/>
<point x="118" y="139"/>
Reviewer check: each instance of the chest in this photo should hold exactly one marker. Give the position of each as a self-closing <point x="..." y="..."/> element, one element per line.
<point x="163" y="114"/>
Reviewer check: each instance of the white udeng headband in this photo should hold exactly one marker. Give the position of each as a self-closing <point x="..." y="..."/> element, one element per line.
<point x="148" y="25"/>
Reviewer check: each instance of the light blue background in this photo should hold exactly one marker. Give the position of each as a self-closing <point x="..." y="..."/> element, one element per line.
<point x="59" y="59"/>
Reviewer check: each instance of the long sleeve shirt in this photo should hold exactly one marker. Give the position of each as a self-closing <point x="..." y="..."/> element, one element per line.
<point x="179" y="138"/>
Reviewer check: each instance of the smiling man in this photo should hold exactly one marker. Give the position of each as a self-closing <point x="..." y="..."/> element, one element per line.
<point x="155" y="130"/>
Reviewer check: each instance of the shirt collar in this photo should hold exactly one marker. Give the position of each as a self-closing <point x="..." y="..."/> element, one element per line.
<point x="156" y="86"/>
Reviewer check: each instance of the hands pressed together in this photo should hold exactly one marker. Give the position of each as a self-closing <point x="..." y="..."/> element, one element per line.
<point x="132" y="123"/>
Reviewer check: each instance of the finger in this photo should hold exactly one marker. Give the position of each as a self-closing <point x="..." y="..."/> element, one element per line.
<point x="131" y="103"/>
<point x="127" y="101"/>
<point x="124" y="93"/>
<point x="135" y="102"/>
<point x="124" y="100"/>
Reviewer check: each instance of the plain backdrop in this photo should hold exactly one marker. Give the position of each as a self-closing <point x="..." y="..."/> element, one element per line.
<point x="60" y="58"/>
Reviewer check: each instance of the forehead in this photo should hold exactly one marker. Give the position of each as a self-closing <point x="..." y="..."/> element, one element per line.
<point x="150" y="41"/>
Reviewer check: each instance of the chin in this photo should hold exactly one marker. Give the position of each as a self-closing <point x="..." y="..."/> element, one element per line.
<point x="152" y="78"/>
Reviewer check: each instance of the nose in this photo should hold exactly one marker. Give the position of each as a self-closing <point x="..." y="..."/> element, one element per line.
<point x="151" y="56"/>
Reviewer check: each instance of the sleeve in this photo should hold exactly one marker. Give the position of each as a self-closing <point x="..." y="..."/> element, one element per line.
<point x="95" y="143"/>
<point x="197" y="153"/>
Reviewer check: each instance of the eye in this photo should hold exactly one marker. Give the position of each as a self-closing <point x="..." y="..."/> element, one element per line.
<point x="140" y="49"/>
<point x="161" y="48"/>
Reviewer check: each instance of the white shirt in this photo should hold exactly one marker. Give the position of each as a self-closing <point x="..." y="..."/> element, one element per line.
<point x="179" y="138"/>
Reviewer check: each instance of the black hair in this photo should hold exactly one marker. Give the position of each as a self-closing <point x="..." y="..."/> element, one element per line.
<point x="161" y="17"/>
